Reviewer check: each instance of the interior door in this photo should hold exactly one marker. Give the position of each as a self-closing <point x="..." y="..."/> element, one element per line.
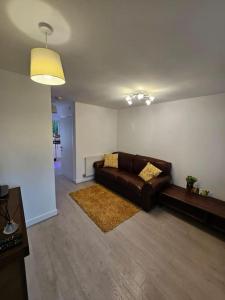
<point x="66" y="136"/>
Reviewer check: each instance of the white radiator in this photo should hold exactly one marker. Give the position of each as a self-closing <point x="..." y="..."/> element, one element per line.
<point x="88" y="164"/>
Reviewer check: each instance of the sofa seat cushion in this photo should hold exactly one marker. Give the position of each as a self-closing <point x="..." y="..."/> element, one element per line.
<point x="109" y="173"/>
<point x="130" y="181"/>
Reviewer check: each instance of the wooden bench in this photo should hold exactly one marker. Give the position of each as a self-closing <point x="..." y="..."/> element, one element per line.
<point x="207" y="210"/>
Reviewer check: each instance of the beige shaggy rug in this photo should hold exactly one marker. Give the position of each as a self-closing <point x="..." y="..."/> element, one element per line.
<point x="104" y="207"/>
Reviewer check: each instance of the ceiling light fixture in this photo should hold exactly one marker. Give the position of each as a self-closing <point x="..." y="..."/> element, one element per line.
<point x="58" y="97"/>
<point x="139" y="96"/>
<point x="152" y="98"/>
<point x="46" y="67"/>
<point x="128" y="98"/>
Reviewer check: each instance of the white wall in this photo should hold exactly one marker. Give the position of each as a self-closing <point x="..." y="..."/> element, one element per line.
<point x="26" y="144"/>
<point x="189" y="133"/>
<point x="96" y="133"/>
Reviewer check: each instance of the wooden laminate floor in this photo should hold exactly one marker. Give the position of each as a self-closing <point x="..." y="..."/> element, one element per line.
<point x="150" y="256"/>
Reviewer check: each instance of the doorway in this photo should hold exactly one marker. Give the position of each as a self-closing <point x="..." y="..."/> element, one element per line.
<point x="63" y="138"/>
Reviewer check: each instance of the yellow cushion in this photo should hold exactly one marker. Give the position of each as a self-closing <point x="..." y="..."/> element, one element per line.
<point x="111" y="160"/>
<point x="149" y="172"/>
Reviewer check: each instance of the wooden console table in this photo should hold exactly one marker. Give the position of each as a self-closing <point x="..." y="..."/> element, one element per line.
<point x="207" y="210"/>
<point x="12" y="268"/>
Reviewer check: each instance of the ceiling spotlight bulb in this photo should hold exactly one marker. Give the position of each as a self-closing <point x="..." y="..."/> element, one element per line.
<point x="140" y="96"/>
<point x="58" y="97"/>
<point x="148" y="102"/>
<point x="128" y="98"/>
<point x="129" y="102"/>
<point x="152" y="98"/>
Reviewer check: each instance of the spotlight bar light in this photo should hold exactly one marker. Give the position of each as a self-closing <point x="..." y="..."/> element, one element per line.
<point x="140" y="95"/>
<point x="152" y="98"/>
<point x="128" y="98"/>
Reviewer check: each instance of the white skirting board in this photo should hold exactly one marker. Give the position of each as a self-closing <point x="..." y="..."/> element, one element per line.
<point x="79" y="180"/>
<point x="41" y="218"/>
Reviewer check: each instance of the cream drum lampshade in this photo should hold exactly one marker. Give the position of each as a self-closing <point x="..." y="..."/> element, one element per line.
<point x="46" y="67"/>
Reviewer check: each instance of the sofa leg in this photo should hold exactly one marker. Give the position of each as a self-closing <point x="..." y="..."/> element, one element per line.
<point x="149" y="204"/>
<point x="146" y="207"/>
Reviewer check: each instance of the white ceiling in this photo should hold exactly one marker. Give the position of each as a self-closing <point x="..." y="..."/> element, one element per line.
<point x="173" y="49"/>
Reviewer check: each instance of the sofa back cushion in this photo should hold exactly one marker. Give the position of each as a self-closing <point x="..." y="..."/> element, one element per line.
<point x="139" y="162"/>
<point x="125" y="161"/>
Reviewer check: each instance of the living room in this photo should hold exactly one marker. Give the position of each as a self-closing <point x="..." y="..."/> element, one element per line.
<point x="142" y="213"/>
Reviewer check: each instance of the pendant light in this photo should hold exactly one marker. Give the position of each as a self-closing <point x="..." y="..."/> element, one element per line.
<point x="46" y="67"/>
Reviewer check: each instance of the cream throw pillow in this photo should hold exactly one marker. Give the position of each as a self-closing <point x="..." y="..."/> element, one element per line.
<point x="111" y="160"/>
<point x="149" y="172"/>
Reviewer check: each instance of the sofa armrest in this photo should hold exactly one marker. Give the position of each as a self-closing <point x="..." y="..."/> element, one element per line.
<point x="157" y="183"/>
<point x="98" y="164"/>
<point x="150" y="190"/>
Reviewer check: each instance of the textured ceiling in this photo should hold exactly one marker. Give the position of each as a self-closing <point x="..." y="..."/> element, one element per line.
<point x="172" y="49"/>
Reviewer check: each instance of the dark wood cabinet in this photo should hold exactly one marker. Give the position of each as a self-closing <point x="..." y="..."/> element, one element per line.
<point x="12" y="268"/>
<point x="207" y="210"/>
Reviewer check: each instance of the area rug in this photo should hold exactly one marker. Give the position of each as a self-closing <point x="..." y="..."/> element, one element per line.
<point x="104" y="207"/>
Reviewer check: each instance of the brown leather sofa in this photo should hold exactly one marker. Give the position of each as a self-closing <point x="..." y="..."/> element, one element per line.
<point x="125" y="179"/>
